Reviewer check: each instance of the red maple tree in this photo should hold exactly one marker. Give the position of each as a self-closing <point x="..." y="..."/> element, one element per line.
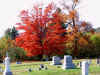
<point x="44" y="31"/>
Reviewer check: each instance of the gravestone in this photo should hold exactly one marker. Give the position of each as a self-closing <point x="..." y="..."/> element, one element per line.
<point x="1" y="69"/>
<point x="30" y="70"/>
<point x="68" y="62"/>
<point x="39" y="69"/>
<point x="89" y="61"/>
<point x="3" y="62"/>
<point x="80" y="64"/>
<point x="85" y="66"/>
<point x="41" y="66"/>
<point x="45" y="68"/>
<point x="98" y="61"/>
<point x="46" y="59"/>
<point x="7" y="66"/>
<point x="18" y="62"/>
<point x="55" y="60"/>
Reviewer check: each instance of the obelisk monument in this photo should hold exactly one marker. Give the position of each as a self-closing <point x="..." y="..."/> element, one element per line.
<point x="7" y="66"/>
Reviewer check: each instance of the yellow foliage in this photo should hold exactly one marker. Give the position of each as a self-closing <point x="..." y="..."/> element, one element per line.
<point x="83" y="42"/>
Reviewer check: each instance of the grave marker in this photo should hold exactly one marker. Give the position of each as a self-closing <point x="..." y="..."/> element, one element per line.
<point x="56" y="60"/>
<point x="89" y="61"/>
<point x="7" y="66"/>
<point x="80" y="64"/>
<point x="30" y="70"/>
<point x="68" y="62"/>
<point x="1" y="69"/>
<point x="98" y="61"/>
<point x="85" y="66"/>
<point x="41" y="66"/>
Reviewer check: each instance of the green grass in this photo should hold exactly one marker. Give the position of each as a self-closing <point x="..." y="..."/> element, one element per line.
<point x="22" y="69"/>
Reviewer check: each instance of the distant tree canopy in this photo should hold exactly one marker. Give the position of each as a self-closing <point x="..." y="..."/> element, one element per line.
<point x="96" y="41"/>
<point x="12" y="33"/>
<point x="7" y="44"/>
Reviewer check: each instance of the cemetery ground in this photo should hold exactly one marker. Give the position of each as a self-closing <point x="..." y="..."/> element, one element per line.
<point x="23" y="69"/>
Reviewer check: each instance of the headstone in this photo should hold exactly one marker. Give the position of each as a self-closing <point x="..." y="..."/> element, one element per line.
<point x="89" y="62"/>
<point x="41" y="66"/>
<point x="68" y="62"/>
<point x="1" y="69"/>
<point x="39" y="69"/>
<point x="85" y="66"/>
<point x="98" y="61"/>
<point x="80" y="64"/>
<point x="30" y="70"/>
<point x="46" y="59"/>
<point x="45" y="68"/>
<point x="18" y="62"/>
<point x="56" y="60"/>
<point x="3" y="62"/>
<point x="7" y="66"/>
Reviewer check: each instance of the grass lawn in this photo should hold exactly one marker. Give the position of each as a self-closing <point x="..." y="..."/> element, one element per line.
<point x="22" y="69"/>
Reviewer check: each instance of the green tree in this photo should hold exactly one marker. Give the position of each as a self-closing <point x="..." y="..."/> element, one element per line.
<point x="8" y="45"/>
<point x="96" y="41"/>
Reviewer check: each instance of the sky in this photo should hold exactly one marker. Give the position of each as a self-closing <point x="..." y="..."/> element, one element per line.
<point x="10" y="9"/>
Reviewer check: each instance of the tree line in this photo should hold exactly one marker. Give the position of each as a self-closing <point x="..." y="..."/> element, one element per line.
<point x="50" y="31"/>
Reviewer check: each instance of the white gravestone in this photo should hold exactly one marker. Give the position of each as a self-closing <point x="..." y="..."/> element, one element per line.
<point x="85" y="66"/>
<point x="7" y="66"/>
<point x="56" y="61"/>
<point x="68" y="62"/>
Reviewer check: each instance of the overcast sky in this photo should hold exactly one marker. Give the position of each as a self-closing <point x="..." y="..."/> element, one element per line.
<point x="9" y="10"/>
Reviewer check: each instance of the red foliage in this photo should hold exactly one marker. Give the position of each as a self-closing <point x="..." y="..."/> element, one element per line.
<point x="44" y="33"/>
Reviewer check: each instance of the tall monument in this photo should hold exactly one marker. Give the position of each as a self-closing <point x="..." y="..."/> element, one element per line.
<point x="7" y="66"/>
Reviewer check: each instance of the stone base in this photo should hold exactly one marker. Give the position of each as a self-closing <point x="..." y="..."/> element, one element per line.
<point x="7" y="73"/>
<point x="68" y="67"/>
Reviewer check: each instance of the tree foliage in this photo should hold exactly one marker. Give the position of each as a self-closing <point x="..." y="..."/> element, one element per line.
<point x="8" y="45"/>
<point x="44" y="31"/>
<point x="77" y="30"/>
